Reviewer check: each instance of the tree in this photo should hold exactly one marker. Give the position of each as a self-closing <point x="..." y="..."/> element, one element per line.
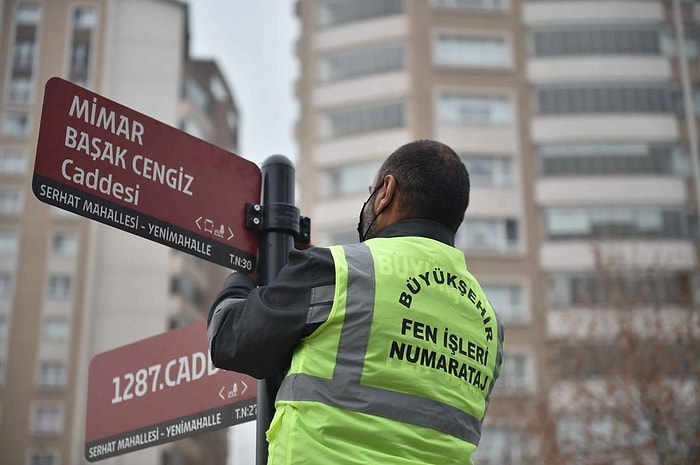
<point x="627" y="368"/>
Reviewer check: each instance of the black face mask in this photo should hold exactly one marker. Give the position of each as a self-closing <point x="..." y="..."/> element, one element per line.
<point x="361" y="232"/>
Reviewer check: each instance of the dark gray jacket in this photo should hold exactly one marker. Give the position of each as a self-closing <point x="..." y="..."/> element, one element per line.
<point x="254" y="330"/>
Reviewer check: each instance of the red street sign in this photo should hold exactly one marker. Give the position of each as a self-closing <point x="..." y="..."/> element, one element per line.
<point x="161" y="389"/>
<point x="109" y="163"/>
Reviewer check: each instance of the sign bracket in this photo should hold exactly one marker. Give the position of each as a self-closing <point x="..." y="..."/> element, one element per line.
<point x="280" y="217"/>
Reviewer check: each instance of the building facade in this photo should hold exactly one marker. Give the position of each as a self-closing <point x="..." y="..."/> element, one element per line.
<point x="71" y="288"/>
<point x="577" y="122"/>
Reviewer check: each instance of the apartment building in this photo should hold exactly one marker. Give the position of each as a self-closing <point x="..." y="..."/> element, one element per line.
<point x="578" y="124"/>
<point x="69" y="287"/>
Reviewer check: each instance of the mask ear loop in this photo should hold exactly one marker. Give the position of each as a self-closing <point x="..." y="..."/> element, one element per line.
<point x="363" y="235"/>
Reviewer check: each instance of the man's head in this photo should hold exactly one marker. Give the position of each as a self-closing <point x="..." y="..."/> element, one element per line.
<point x="423" y="179"/>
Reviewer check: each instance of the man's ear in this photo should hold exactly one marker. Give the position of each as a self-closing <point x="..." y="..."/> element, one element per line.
<point x="386" y="194"/>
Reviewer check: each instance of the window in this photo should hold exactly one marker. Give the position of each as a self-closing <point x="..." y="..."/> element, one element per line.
<point x="232" y="120"/>
<point x="60" y="287"/>
<point x="15" y="124"/>
<point x="691" y="43"/>
<point x="6" y="285"/>
<point x="346" y="180"/>
<point x="178" y="321"/>
<point x="505" y="445"/>
<point x="218" y="89"/>
<point x="363" y="118"/>
<point x="473" y="4"/>
<point x="613" y="159"/>
<point x="336" y="12"/>
<point x="55" y="329"/>
<point x="619" y="221"/>
<point x="23" y="56"/>
<point x="507" y="300"/>
<point x="21" y="91"/>
<point x="361" y="62"/>
<point x="599" y="99"/>
<point x="4" y="329"/>
<point x="9" y="243"/>
<point x="52" y="374"/>
<point x="197" y="95"/>
<point x="24" y="52"/>
<point x="471" y="52"/>
<point x="28" y="14"/>
<point x="588" y="289"/>
<point x="10" y="202"/>
<point x="44" y="458"/>
<point x="186" y="288"/>
<point x="597" y="41"/>
<point x="515" y="375"/>
<point x="64" y="244"/>
<point x="61" y="213"/>
<point x="192" y="127"/>
<point x="474" y="110"/>
<point x="657" y="358"/>
<point x="590" y="360"/>
<point x="489" y="171"/>
<point x="171" y="457"/>
<point x="80" y="53"/>
<point x="339" y="236"/>
<point x="12" y="162"/>
<point x="84" y="20"/>
<point x="47" y="419"/>
<point x="594" y="432"/>
<point x="488" y="235"/>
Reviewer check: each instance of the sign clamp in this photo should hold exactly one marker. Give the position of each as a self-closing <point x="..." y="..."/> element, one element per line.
<point x="282" y="217"/>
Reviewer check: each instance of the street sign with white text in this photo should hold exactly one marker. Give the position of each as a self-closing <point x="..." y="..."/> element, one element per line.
<point x="161" y="389"/>
<point x="107" y="162"/>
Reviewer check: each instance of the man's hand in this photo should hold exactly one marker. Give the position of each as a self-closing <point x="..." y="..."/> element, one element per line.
<point x="302" y="245"/>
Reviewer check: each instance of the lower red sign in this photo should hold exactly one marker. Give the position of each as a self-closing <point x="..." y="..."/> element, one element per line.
<point x="161" y="389"/>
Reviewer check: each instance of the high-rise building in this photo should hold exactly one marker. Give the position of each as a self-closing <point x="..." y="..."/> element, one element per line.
<point x="70" y="287"/>
<point x="578" y="124"/>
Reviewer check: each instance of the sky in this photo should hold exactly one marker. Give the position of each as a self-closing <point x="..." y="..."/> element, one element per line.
<point x="253" y="43"/>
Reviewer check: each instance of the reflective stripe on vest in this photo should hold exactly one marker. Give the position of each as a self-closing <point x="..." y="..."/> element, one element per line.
<point x="344" y="389"/>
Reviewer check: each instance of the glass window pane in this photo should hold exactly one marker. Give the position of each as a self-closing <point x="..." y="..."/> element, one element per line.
<point x="10" y="202"/>
<point x="84" y="17"/>
<point x="16" y="124"/>
<point x="506" y="300"/>
<point x="361" y="62"/>
<point x="60" y="287"/>
<point x="9" y="243"/>
<point x="488" y="235"/>
<point x="56" y="329"/>
<point x="364" y="118"/>
<point x="473" y="4"/>
<point x="47" y="419"/>
<point x="28" y="13"/>
<point x="4" y="329"/>
<point x="336" y="12"/>
<point x="477" y="52"/>
<point x="52" y="374"/>
<point x="474" y="110"/>
<point x="64" y="244"/>
<point x="6" y="285"/>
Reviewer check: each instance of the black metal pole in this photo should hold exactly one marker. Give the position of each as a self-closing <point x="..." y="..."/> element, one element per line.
<point x="277" y="188"/>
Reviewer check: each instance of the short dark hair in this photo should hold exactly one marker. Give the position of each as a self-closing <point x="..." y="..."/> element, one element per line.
<point x="432" y="181"/>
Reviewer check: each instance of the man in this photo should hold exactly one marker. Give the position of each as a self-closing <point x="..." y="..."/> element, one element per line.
<point x="389" y="346"/>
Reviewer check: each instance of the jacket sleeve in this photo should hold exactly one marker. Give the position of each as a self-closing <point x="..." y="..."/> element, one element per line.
<point x="255" y="330"/>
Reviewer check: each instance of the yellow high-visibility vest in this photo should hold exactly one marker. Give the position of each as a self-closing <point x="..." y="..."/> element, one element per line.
<point x="402" y="367"/>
